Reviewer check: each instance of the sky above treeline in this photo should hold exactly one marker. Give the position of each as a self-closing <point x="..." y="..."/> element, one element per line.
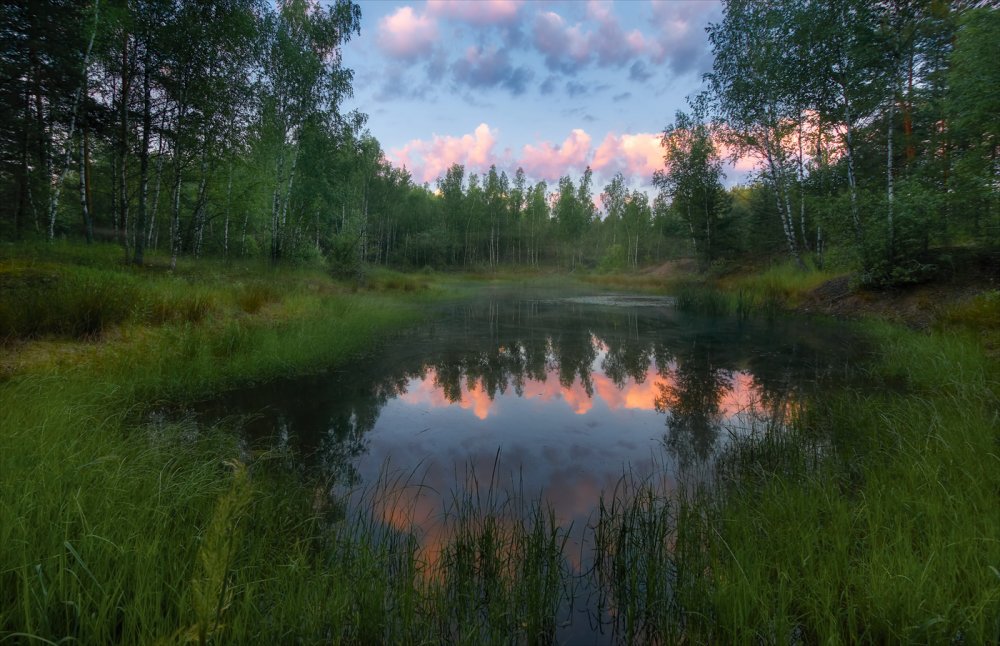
<point x="550" y="86"/>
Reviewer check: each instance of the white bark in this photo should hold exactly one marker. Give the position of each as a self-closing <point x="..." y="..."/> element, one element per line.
<point x="888" y="176"/>
<point x="54" y="197"/>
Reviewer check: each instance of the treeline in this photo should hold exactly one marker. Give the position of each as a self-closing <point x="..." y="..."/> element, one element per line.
<point x="217" y="128"/>
<point x="190" y="127"/>
<point x="876" y="126"/>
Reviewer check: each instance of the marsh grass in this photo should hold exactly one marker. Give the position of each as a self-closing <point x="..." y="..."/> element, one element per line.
<point x="503" y="568"/>
<point x="765" y="294"/>
<point x="693" y="297"/>
<point x="637" y="570"/>
<point x="252" y="297"/>
<point x="81" y="304"/>
<point x="885" y="538"/>
<point x="979" y="317"/>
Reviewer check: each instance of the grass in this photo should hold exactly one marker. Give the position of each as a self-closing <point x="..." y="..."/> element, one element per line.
<point x="382" y="279"/>
<point x="125" y="528"/>
<point x="869" y="516"/>
<point x="977" y="317"/>
<point x="783" y="282"/>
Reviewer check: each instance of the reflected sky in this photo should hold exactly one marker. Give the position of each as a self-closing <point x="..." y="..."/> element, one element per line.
<point x="565" y="443"/>
<point x="549" y="397"/>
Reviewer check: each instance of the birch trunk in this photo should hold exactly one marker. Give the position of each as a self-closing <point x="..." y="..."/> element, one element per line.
<point x="175" y="218"/>
<point x="147" y="126"/>
<point x="888" y="181"/>
<point x="54" y="196"/>
<point x="123" y="145"/>
<point x="279" y="164"/>
<point x="199" y="207"/>
<point x="802" y="187"/>
<point x="781" y="191"/>
<point x="88" y="224"/>
<point x="851" y="180"/>
<point x="153" y="238"/>
<point x="229" y="202"/>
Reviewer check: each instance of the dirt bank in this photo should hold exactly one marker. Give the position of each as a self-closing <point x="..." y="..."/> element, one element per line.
<point x="963" y="275"/>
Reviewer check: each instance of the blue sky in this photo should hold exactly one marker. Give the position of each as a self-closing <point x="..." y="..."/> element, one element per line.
<point x="551" y="86"/>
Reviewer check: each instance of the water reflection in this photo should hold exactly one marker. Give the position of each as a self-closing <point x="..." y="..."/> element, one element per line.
<point x="527" y="398"/>
<point x="565" y="387"/>
<point x="572" y="392"/>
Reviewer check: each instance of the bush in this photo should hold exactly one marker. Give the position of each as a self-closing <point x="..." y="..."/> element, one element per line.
<point x="613" y="260"/>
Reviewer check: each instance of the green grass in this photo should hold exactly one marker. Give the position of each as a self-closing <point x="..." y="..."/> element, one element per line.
<point x="870" y="516"/>
<point x="977" y="317"/>
<point x="784" y="282"/>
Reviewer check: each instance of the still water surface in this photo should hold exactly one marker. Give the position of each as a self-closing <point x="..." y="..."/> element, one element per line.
<point x="550" y="397"/>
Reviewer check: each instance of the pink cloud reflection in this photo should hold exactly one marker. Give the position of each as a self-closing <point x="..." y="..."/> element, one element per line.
<point x="630" y="395"/>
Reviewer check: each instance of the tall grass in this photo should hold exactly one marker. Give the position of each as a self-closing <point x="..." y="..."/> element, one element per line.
<point x="784" y="282"/>
<point x="888" y="538"/>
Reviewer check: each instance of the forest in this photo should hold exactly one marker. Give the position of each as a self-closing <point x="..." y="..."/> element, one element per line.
<point x="217" y="129"/>
<point x="261" y="382"/>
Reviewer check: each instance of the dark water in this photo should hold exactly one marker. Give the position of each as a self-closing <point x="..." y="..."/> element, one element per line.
<point x="556" y="397"/>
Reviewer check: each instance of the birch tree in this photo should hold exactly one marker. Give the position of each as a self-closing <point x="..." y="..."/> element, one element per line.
<point x="68" y="142"/>
<point x="691" y="178"/>
<point x="305" y="80"/>
<point x="752" y="96"/>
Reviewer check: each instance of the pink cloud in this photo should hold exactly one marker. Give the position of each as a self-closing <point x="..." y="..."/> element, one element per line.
<point x="637" y="155"/>
<point x="477" y="12"/>
<point x="564" y="46"/>
<point x="743" y="164"/>
<point x="428" y="160"/>
<point x="550" y="162"/>
<point x="680" y="38"/>
<point x="568" y="47"/>
<point x="406" y="34"/>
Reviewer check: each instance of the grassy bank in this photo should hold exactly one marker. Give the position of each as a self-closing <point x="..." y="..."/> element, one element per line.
<point x="870" y="517"/>
<point x="119" y="527"/>
<point x="872" y="520"/>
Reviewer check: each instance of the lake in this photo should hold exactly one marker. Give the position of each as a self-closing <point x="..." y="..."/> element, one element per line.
<point x="535" y="396"/>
